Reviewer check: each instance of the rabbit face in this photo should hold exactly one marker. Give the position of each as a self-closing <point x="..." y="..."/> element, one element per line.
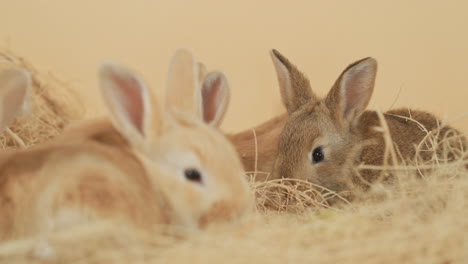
<point x="202" y="174"/>
<point x="312" y="147"/>
<point x="320" y="142"/>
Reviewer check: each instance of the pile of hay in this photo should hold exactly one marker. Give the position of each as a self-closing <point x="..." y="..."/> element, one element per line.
<point x="424" y="219"/>
<point x="50" y="106"/>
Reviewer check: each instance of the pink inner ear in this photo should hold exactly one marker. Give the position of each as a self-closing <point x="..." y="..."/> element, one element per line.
<point x="211" y="96"/>
<point x="131" y="99"/>
<point x="357" y="92"/>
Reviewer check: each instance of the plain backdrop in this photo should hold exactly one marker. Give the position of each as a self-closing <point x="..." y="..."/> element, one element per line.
<point x="421" y="46"/>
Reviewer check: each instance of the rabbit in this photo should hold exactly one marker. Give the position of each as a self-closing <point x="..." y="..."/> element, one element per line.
<point x="325" y="138"/>
<point x="257" y="151"/>
<point x="144" y="166"/>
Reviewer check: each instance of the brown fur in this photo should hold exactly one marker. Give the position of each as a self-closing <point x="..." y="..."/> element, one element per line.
<point x="296" y="82"/>
<point x="347" y="133"/>
<point x="258" y="151"/>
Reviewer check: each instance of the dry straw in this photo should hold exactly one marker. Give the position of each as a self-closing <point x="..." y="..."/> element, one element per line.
<point x="422" y="221"/>
<point x="51" y="105"/>
<point x="422" y="218"/>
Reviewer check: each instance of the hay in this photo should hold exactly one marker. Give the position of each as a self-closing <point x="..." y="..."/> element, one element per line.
<point x="421" y="219"/>
<point x="424" y="221"/>
<point x="50" y="106"/>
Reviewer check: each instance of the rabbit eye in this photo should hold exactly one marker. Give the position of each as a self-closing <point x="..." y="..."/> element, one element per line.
<point x="317" y="155"/>
<point x="193" y="175"/>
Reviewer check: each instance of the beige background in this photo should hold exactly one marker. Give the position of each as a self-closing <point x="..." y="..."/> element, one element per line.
<point x="421" y="46"/>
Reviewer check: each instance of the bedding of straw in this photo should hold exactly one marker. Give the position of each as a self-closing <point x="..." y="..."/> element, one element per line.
<point x="422" y="219"/>
<point x="50" y="106"/>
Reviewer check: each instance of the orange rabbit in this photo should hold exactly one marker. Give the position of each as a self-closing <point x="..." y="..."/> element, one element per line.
<point x="146" y="167"/>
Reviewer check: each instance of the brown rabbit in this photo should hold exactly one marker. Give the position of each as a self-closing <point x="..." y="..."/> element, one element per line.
<point x="258" y="146"/>
<point x="146" y="168"/>
<point x="324" y="139"/>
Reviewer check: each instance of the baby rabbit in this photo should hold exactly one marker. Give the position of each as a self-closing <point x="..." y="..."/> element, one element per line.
<point x="146" y="168"/>
<point x="325" y="138"/>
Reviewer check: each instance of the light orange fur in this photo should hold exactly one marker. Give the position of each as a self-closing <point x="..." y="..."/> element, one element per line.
<point x="130" y="168"/>
<point x="55" y="186"/>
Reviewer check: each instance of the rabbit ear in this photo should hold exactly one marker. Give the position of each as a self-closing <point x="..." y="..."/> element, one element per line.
<point x="215" y="98"/>
<point x="133" y="110"/>
<point x="183" y="90"/>
<point x="294" y="86"/>
<point x="352" y="91"/>
<point x="202" y="72"/>
<point x="14" y="85"/>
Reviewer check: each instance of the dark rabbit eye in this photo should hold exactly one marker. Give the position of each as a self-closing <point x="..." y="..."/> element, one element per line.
<point x="193" y="175"/>
<point x="317" y="155"/>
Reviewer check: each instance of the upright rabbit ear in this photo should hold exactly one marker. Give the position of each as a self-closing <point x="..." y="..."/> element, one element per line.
<point x="132" y="107"/>
<point x="294" y="85"/>
<point x="183" y="87"/>
<point x="351" y="93"/>
<point x="215" y="98"/>
<point x="14" y="85"/>
<point x="202" y="72"/>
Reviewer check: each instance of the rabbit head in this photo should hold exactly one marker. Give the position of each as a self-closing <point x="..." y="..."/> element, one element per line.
<point x="198" y="174"/>
<point x="14" y="84"/>
<point x="318" y="142"/>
